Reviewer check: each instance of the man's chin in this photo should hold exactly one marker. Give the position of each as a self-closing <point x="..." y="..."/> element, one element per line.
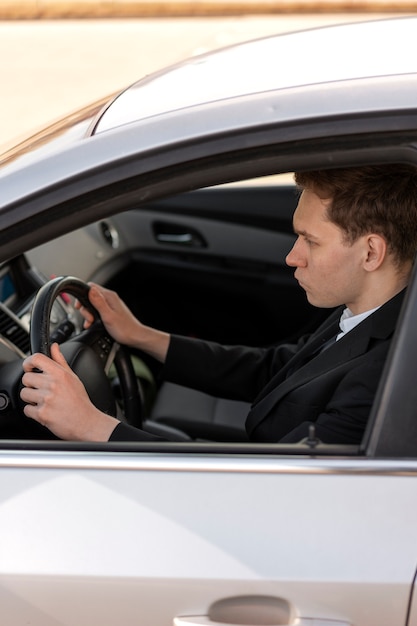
<point x="319" y="303"/>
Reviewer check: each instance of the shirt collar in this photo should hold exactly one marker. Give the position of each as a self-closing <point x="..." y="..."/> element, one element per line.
<point x="348" y="321"/>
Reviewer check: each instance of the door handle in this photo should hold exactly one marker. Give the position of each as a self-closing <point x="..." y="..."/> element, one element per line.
<point x="184" y="239"/>
<point x="178" y="235"/>
<point x="203" y="620"/>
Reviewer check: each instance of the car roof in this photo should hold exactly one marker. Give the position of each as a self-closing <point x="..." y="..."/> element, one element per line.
<point x="331" y="54"/>
<point x="151" y="122"/>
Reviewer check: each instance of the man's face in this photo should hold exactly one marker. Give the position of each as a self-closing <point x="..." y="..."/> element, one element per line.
<point x="329" y="270"/>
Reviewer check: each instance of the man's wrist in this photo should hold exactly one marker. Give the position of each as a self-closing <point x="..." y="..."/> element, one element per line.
<point x="101" y="428"/>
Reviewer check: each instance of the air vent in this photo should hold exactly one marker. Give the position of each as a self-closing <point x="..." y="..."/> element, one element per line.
<point x="13" y="331"/>
<point x="110" y="235"/>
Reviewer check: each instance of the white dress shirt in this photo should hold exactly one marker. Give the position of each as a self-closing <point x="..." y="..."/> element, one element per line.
<point x="348" y="321"/>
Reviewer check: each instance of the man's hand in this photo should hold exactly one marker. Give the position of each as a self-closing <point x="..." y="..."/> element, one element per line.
<point x="122" y="325"/>
<point x="57" y="399"/>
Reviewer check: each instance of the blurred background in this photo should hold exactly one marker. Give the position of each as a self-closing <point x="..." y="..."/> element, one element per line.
<point x="59" y="55"/>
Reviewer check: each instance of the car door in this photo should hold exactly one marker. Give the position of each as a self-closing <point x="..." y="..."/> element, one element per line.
<point x="174" y="538"/>
<point x="184" y="534"/>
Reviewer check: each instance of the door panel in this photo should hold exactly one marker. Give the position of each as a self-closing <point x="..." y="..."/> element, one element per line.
<point x="148" y="539"/>
<point x="211" y="263"/>
<point x="218" y="271"/>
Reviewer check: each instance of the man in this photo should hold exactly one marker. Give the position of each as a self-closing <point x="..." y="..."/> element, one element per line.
<point x="356" y="240"/>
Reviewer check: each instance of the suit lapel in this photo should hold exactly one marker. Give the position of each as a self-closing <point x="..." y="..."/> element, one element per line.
<point x="320" y="337"/>
<point x="300" y="370"/>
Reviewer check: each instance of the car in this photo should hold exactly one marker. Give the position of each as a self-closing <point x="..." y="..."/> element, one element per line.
<point x="178" y="193"/>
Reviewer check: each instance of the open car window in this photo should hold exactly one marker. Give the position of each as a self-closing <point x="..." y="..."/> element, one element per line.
<point x="208" y="264"/>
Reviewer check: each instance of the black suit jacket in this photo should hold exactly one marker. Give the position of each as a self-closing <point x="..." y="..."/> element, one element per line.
<point x="292" y="386"/>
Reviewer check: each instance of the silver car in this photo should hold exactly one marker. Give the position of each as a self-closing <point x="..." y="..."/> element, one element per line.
<point x="178" y="194"/>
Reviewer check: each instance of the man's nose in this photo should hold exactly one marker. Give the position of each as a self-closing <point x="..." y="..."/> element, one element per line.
<point x="294" y="258"/>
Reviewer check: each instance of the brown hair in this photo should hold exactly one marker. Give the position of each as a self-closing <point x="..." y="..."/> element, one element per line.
<point x="379" y="199"/>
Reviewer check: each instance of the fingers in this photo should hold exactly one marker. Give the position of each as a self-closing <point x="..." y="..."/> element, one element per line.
<point x="42" y="382"/>
<point x="57" y="399"/>
<point x="31" y="410"/>
<point x="34" y="390"/>
<point x="35" y="362"/>
<point x="100" y="297"/>
<point x="41" y="363"/>
<point x="86" y="313"/>
<point x="58" y="357"/>
<point x="115" y="315"/>
<point x="97" y="298"/>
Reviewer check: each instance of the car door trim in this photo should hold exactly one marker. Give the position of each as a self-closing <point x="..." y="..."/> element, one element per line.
<point x="206" y="463"/>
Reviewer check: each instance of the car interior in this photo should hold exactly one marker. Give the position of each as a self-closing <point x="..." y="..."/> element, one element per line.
<point x="208" y="263"/>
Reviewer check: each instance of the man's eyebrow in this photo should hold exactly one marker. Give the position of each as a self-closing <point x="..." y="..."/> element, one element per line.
<point x="304" y="233"/>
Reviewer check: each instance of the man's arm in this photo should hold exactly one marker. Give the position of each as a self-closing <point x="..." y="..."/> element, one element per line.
<point x="233" y="372"/>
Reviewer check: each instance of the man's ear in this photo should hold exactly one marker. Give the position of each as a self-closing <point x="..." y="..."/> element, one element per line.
<point x="376" y="252"/>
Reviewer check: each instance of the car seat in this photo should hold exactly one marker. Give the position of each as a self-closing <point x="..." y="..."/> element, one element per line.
<point x="199" y="415"/>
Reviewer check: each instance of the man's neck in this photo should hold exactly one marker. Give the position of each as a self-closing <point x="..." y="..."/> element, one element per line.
<point x="378" y="290"/>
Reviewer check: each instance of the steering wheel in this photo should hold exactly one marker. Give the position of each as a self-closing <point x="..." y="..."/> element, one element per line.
<point x="90" y="353"/>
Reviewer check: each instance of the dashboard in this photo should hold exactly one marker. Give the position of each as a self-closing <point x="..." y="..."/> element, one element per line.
<point x="90" y="253"/>
<point x="96" y="253"/>
<point x="19" y="283"/>
<point x="20" y="280"/>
